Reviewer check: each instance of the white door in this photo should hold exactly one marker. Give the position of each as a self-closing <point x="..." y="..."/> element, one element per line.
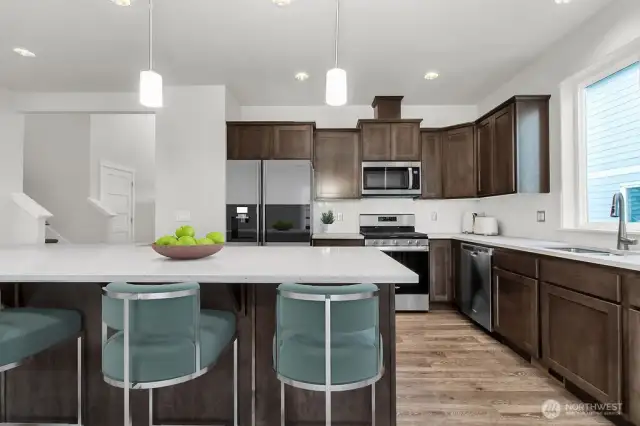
<point x="117" y="193"/>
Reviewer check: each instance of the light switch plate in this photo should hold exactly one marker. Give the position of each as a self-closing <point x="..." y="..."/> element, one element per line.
<point x="339" y="217"/>
<point x="183" y="215"/>
<point x="434" y="216"/>
<point x="541" y="216"/>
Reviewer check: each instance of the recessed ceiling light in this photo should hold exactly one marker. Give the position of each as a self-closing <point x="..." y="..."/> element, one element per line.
<point x="122" y="2"/>
<point x="563" y="1"/>
<point x="301" y="76"/>
<point x="281" y="2"/>
<point x="24" y="52"/>
<point x="431" y="75"/>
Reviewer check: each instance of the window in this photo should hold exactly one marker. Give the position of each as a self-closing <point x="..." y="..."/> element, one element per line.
<point x="610" y="146"/>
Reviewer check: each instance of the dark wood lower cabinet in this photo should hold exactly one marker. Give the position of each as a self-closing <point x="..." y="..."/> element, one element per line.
<point x="515" y="310"/>
<point x="440" y="273"/>
<point x="632" y="375"/>
<point x="581" y="340"/>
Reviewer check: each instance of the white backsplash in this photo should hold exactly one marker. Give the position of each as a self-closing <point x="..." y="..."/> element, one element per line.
<point x="448" y="213"/>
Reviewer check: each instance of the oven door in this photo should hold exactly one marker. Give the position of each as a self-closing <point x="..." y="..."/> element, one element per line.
<point x="415" y="296"/>
<point x="384" y="179"/>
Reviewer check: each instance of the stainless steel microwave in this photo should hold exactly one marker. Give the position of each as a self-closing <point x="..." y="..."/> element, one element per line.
<point x="391" y="179"/>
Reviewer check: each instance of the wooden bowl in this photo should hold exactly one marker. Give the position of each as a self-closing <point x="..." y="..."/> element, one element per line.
<point x="187" y="252"/>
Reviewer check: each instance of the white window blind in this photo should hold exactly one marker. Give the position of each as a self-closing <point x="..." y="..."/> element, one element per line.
<point x="612" y="139"/>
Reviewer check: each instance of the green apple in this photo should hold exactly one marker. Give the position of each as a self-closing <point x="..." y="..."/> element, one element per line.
<point x="167" y="240"/>
<point x="216" y="237"/>
<point x="186" y="240"/>
<point x="186" y="231"/>
<point x="204" y="242"/>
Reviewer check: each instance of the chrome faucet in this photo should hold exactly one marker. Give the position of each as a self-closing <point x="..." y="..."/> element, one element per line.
<point x="619" y="209"/>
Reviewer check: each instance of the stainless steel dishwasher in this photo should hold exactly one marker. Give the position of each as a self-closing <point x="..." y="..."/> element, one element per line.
<point x="474" y="290"/>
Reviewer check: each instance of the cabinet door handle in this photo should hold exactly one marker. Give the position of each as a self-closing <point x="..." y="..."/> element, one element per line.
<point x="497" y="301"/>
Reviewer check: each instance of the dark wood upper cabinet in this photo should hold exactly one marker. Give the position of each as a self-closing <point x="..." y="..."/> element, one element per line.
<point x="336" y="160"/>
<point x="376" y="142"/>
<point x="504" y="176"/>
<point x="458" y="162"/>
<point x="292" y="142"/>
<point x="440" y="271"/>
<point x="405" y="142"/>
<point x="249" y="142"/>
<point x="513" y="147"/>
<point x="485" y="146"/>
<point x="431" y="164"/>
<point x="269" y="140"/>
<point x="515" y="310"/>
<point x="581" y="340"/>
<point x="390" y="140"/>
<point x="632" y="405"/>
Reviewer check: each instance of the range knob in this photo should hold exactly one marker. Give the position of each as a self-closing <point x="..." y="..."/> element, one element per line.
<point x="412" y="242"/>
<point x="394" y="242"/>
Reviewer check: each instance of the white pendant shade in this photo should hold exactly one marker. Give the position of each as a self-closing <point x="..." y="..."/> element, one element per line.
<point x="151" y="89"/>
<point x="336" y="87"/>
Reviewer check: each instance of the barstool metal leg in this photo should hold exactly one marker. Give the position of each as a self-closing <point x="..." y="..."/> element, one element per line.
<point x="327" y="360"/>
<point x="127" y="381"/>
<point x="80" y="380"/>
<point x="282" y="401"/>
<point x="3" y="398"/>
<point x="235" y="382"/>
<point x="373" y="404"/>
<point x="150" y="407"/>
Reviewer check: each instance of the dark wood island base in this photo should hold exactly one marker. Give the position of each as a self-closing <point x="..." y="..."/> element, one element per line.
<point x="44" y="389"/>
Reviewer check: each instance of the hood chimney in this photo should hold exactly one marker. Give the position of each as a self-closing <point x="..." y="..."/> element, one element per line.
<point x="387" y="107"/>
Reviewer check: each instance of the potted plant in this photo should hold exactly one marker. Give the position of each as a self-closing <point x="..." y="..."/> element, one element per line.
<point x="327" y="218"/>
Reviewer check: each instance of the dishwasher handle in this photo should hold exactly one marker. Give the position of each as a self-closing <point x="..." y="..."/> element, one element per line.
<point x="476" y="250"/>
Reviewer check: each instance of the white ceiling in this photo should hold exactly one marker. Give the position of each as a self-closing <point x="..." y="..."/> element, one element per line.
<point x="255" y="48"/>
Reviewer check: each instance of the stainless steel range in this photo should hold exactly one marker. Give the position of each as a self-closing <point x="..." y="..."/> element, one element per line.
<point x="395" y="234"/>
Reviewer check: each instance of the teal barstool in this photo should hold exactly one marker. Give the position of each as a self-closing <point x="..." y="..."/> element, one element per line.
<point x="328" y="339"/>
<point x="162" y="338"/>
<point x="25" y="332"/>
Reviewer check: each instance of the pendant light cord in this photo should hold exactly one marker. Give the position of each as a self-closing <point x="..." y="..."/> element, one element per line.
<point x="150" y="34"/>
<point x="337" y="28"/>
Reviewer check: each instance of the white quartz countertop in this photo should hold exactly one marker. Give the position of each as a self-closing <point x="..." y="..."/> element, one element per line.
<point x="338" y="236"/>
<point x="107" y="263"/>
<point x="629" y="260"/>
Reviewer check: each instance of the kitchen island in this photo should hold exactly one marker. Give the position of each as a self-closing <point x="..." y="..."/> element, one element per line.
<point x="241" y="279"/>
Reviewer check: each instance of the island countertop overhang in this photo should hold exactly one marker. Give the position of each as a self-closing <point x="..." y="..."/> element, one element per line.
<point x="233" y="265"/>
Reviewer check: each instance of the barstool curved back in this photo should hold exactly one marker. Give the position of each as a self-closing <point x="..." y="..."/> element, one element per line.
<point x="328" y="339"/>
<point x="162" y="337"/>
<point x="26" y="332"/>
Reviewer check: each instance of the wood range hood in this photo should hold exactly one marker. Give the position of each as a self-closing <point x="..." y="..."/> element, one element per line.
<point x="387" y="107"/>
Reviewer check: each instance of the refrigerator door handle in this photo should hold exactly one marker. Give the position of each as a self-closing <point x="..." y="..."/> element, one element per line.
<point x="263" y="203"/>
<point x="259" y="195"/>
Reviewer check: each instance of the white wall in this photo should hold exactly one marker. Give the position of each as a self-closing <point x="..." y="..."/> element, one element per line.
<point x="448" y="212"/>
<point x="191" y="154"/>
<point x="232" y="106"/>
<point x="609" y="30"/>
<point x="57" y="173"/>
<point x="11" y="143"/>
<point x="127" y="140"/>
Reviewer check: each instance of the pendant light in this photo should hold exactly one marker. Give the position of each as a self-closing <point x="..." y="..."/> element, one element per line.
<point x="336" y="94"/>
<point x="151" y="81"/>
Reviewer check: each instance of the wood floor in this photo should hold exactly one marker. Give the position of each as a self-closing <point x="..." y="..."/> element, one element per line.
<point x="451" y="373"/>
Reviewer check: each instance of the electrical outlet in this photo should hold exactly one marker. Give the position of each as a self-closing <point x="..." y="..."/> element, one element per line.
<point x="183" y="216"/>
<point x="540" y="216"/>
<point x="339" y="217"/>
<point x="434" y="216"/>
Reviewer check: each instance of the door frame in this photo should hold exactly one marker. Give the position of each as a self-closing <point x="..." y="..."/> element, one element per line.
<point x="106" y="165"/>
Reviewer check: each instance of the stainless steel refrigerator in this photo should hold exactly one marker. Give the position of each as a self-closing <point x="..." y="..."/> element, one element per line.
<point x="269" y="202"/>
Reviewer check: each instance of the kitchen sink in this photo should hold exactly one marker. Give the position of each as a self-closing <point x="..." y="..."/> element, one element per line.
<point x="597" y="252"/>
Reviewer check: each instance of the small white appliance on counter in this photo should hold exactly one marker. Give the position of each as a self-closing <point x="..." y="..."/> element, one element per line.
<point x="467" y="222"/>
<point x="485" y="225"/>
